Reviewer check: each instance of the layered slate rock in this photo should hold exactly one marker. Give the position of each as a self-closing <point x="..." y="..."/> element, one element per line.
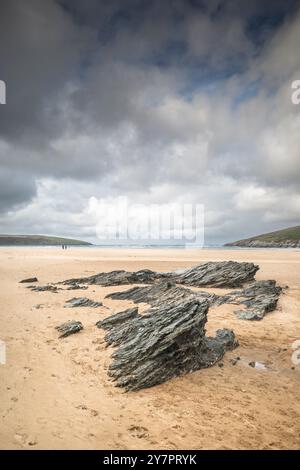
<point x="164" y="292"/>
<point x="47" y="288"/>
<point x="29" y="279"/>
<point x="82" y="302"/>
<point x="211" y="274"/>
<point x="76" y="287"/>
<point x="69" y="328"/>
<point x="218" y="274"/>
<point x="259" y="298"/>
<point x="167" y="342"/>
<point x="118" y="318"/>
<point x="120" y="277"/>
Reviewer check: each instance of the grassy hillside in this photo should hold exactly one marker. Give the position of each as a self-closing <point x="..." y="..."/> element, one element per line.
<point x="286" y="237"/>
<point x="34" y="240"/>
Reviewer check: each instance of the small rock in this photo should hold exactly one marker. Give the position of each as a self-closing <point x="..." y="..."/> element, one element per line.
<point x="38" y="306"/>
<point x="47" y="288"/>
<point x="29" y="279"/>
<point x="69" y="328"/>
<point x="77" y="286"/>
<point x="82" y="302"/>
<point x="252" y="364"/>
<point x="32" y="443"/>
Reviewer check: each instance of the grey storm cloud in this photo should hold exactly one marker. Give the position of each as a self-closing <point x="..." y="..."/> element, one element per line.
<point x="159" y="101"/>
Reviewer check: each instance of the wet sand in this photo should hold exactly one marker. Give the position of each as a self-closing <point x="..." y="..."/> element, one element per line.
<point x="55" y="394"/>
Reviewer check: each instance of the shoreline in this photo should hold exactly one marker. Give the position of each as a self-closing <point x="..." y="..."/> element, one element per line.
<point x="157" y="247"/>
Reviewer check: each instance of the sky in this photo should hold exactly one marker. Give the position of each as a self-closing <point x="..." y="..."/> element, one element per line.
<point x="160" y="102"/>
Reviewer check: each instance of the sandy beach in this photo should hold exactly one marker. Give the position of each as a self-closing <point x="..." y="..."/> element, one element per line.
<point x="55" y="393"/>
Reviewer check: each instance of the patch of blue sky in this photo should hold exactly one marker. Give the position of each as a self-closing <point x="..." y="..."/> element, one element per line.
<point x="250" y="91"/>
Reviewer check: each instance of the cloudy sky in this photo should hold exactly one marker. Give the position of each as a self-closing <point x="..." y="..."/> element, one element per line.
<point x="185" y="101"/>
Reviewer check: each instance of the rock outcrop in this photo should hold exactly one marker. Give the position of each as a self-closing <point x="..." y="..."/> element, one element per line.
<point x="164" y="292"/>
<point x="117" y="278"/>
<point x="211" y="274"/>
<point x="69" y="328"/>
<point x="259" y="297"/>
<point x="165" y="342"/>
<point x="218" y="274"/>
<point x="82" y="302"/>
<point x="266" y="244"/>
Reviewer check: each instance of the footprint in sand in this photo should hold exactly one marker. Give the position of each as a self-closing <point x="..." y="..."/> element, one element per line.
<point x="81" y="407"/>
<point x="20" y="438"/>
<point x="24" y="440"/>
<point x="84" y="407"/>
<point x="138" y="431"/>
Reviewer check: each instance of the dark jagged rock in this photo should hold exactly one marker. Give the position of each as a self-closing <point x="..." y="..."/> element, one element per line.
<point x="82" y="302"/>
<point x="260" y="297"/>
<point x="218" y="274"/>
<point x="116" y="278"/>
<point x="167" y="342"/>
<point x="215" y="348"/>
<point x="212" y="274"/>
<point x="48" y="288"/>
<point x="164" y="292"/>
<point x="118" y="318"/>
<point x="69" y="328"/>
<point x="29" y="279"/>
<point x="77" y="287"/>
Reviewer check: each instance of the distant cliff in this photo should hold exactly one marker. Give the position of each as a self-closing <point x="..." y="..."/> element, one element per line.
<point x="34" y="240"/>
<point x="287" y="238"/>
